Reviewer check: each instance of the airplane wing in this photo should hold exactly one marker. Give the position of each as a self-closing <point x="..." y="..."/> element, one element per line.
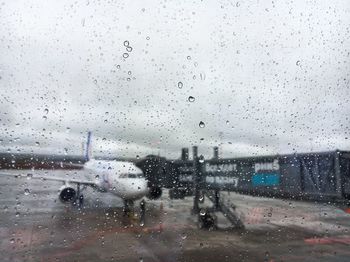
<point x="50" y="178"/>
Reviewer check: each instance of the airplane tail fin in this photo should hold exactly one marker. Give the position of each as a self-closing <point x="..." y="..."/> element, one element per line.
<point x="88" y="151"/>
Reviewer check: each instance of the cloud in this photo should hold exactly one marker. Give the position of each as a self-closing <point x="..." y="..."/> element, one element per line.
<point x="266" y="77"/>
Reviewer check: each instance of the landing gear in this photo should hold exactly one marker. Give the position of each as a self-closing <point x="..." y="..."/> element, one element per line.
<point x="128" y="207"/>
<point x="142" y="212"/>
<point x="79" y="199"/>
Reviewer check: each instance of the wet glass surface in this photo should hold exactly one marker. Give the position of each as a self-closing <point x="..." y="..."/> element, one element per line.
<point x="174" y="130"/>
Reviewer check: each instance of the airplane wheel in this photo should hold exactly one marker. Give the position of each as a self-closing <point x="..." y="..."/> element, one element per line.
<point x="128" y="207"/>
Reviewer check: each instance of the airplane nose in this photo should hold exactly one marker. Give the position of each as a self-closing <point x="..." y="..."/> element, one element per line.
<point x="144" y="187"/>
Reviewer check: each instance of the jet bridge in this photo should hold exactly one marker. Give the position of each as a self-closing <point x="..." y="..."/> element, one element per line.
<point x="201" y="185"/>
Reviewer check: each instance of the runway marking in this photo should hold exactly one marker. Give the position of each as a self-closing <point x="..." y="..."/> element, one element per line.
<point x="255" y="215"/>
<point x="328" y="240"/>
<point x="24" y="239"/>
<point x="85" y="241"/>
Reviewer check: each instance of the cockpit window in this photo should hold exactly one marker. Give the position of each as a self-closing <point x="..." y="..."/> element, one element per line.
<point x="139" y="175"/>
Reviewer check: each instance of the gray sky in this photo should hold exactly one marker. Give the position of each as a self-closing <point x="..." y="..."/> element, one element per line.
<point x="267" y="76"/>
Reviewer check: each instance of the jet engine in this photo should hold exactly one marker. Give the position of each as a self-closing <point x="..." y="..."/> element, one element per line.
<point x="67" y="194"/>
<point x="154" y="192"/>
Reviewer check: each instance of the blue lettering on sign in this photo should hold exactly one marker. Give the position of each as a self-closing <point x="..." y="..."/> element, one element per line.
<point x="266" y="179"/>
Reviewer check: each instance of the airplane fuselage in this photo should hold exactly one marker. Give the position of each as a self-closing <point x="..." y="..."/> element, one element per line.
<point x="120" y="178"/>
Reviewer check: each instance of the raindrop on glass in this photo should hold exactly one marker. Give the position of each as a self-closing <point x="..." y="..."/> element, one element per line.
<point x="126" y="43"/>
<point x="191" y="99"/>
<point x="202" y="212"/>
<point x="201" y="124"/>
<point x="125" y="55"/>
<point x="26" y="191"/>
<point x="180" y="85"/>
<point x="201" y="159"/>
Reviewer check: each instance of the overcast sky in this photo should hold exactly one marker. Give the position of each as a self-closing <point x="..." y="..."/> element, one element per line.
<point x="266" y="77"/>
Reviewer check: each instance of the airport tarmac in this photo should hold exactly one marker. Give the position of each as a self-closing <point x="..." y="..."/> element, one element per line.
<point x="35" y="226"/>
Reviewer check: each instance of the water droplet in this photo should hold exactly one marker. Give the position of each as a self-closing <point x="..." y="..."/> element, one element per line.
<point x="44" y="117"/>
<point x="183" y="236"/>
<point x="298" y="63"/>
<point x="129" y="49"/>
<point x="202" y="212"/>
<point x="201" y="124"/>
<point x="17" y="214"/>
<point x="37" y="143"/>
<point x="46" y="111"/>
<point x="191" y="99"/>
<point x="126" y="43"/>
<point x="29" y="176"/>
<point x="180" y="85"/>
<point x="12" y="240"/>
<point x="118" y="66"/>
<point x="97" y="177"/>
<point x="201" y="159"/>
<point x="129" y="72"/>
<point x="125" y="55"/>
<point x="26" y="191"/>
<point x="188" y="58"/>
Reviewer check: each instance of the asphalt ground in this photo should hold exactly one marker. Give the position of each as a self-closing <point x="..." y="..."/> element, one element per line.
<point x="36" y="226"/>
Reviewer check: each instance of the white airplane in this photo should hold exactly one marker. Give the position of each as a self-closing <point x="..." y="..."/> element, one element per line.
<point x="121" y="178"/>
